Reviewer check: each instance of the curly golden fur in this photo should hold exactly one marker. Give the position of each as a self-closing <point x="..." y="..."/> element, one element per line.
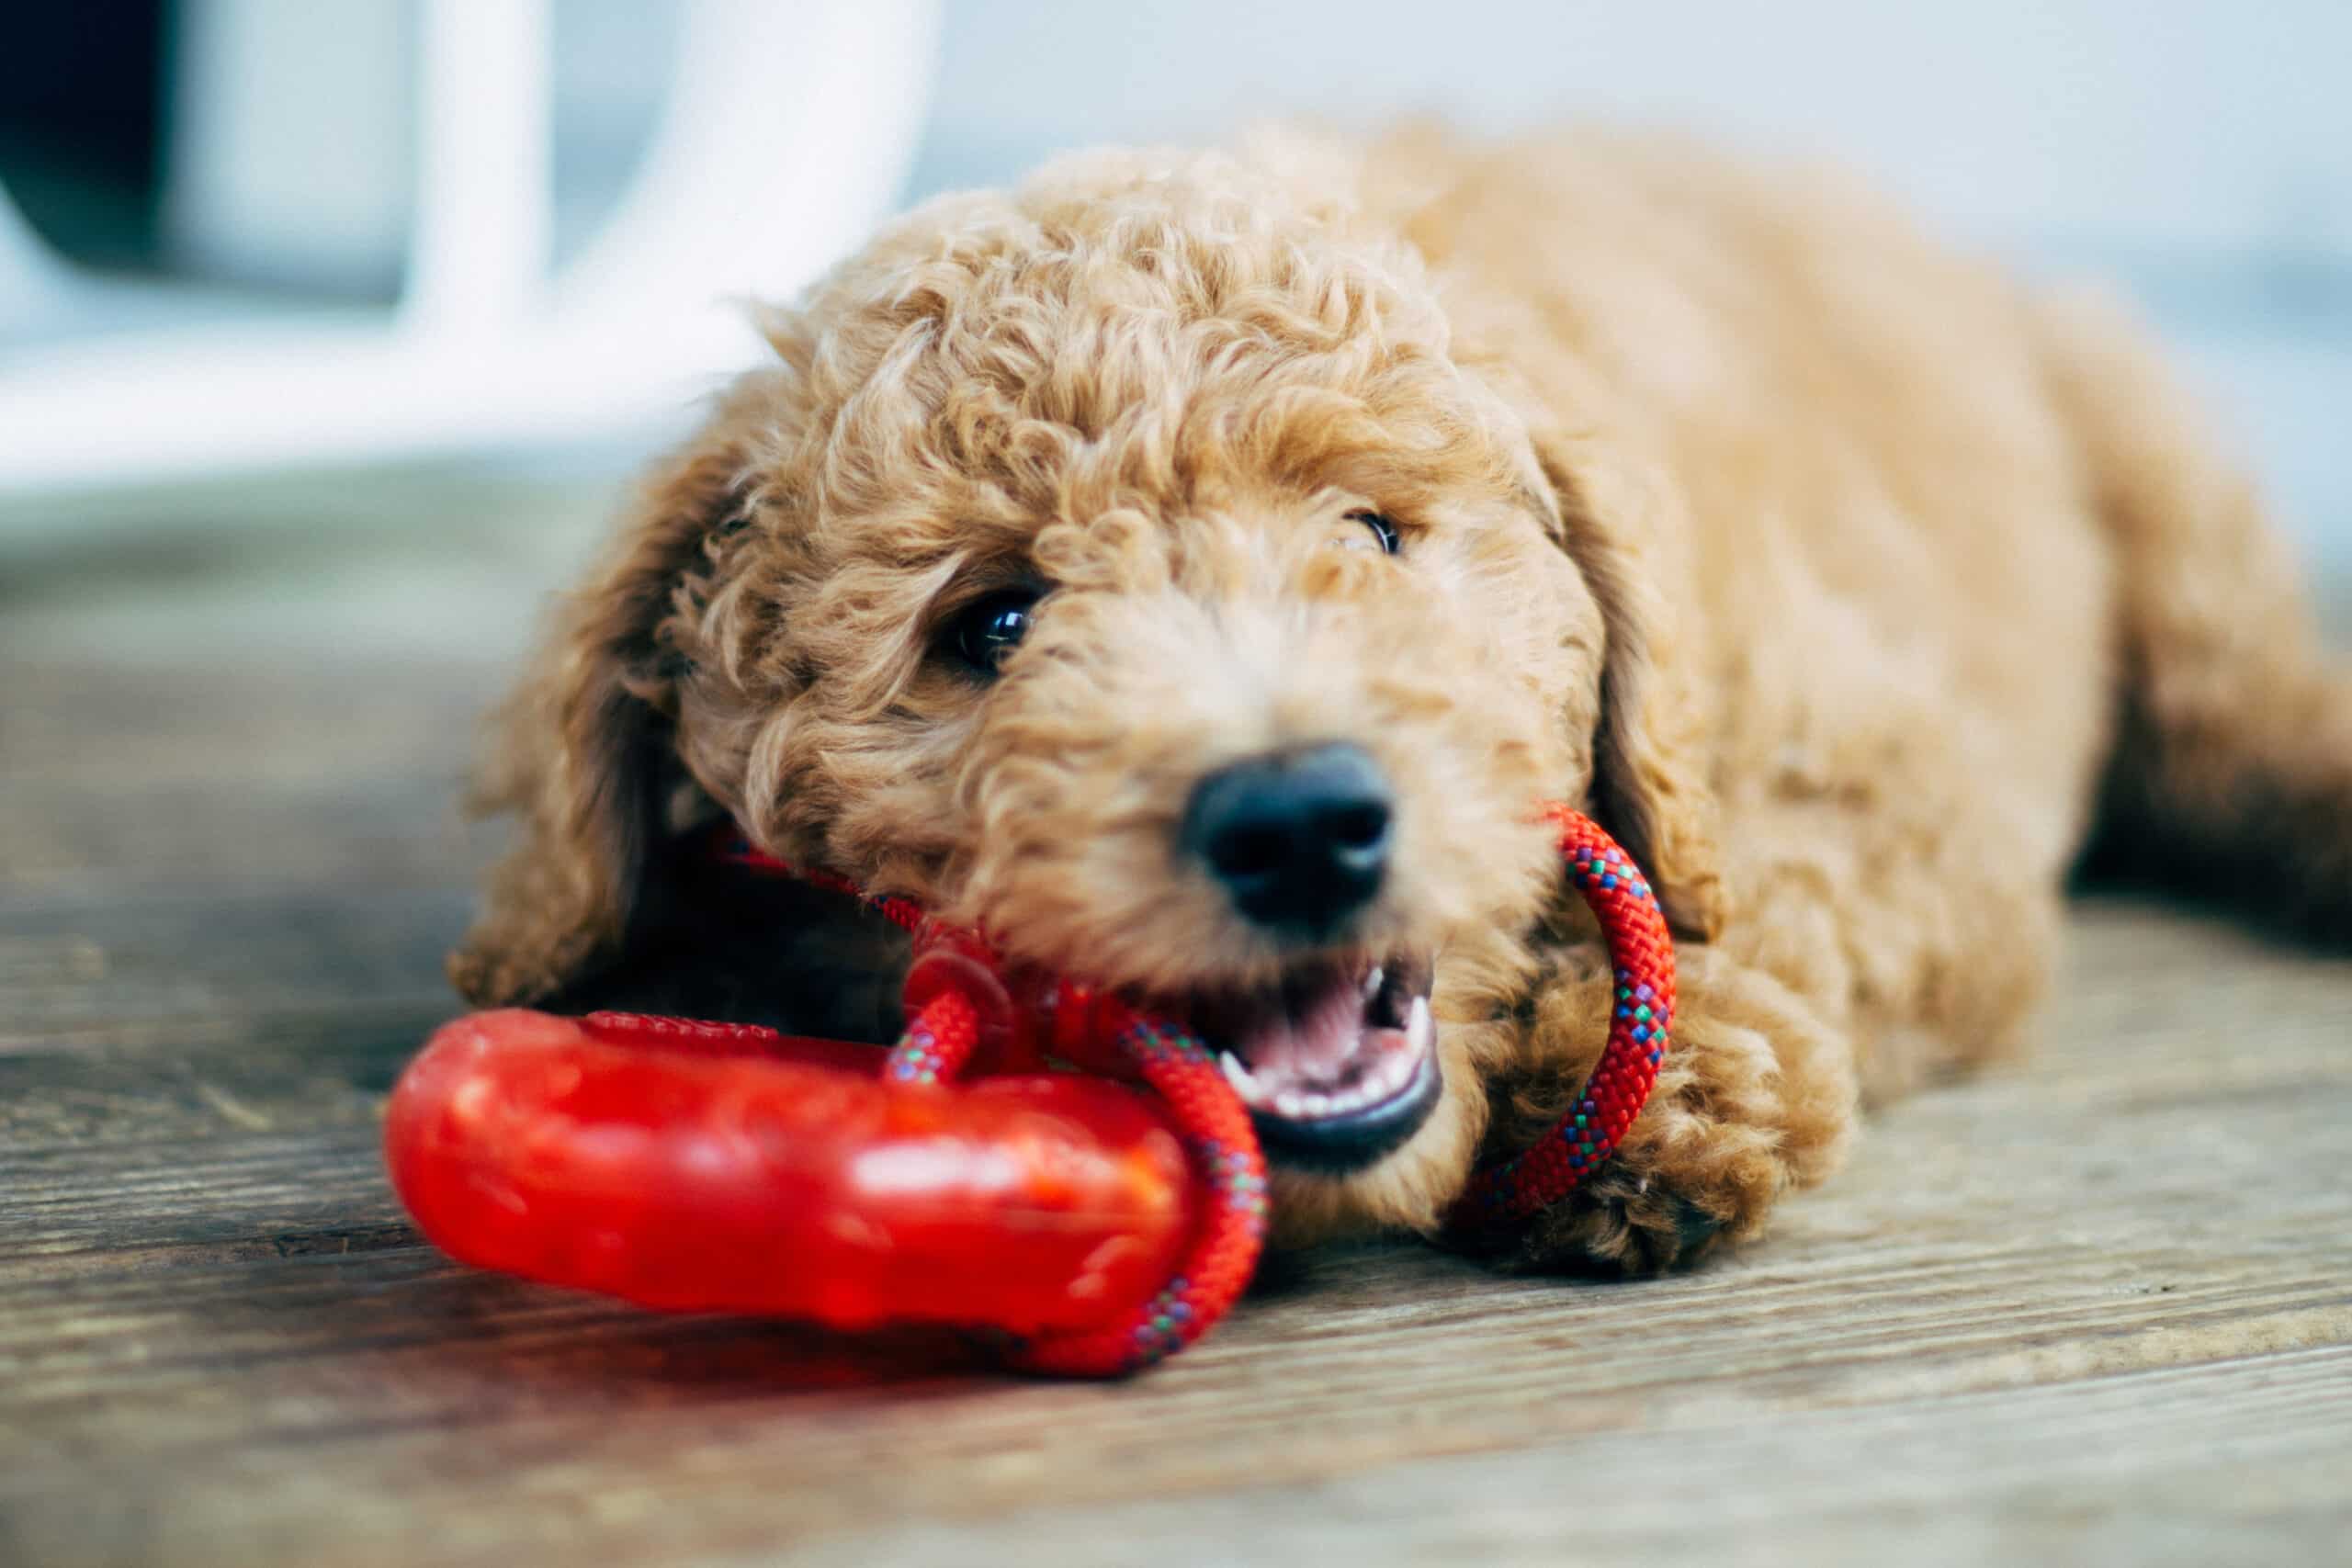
<point x="1834" y="572"/>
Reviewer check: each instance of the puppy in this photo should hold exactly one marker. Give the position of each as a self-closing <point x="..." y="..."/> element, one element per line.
<point x="1193" y="568"/>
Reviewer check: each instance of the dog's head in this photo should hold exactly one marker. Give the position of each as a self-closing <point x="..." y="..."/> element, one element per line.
<point x="1134" y="569"/>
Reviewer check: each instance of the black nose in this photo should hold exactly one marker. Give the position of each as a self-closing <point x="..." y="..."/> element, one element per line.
<point x="1299" y="838"/>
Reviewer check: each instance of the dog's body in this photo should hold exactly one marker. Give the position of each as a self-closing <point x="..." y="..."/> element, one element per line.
<point x="1845" y="581"/>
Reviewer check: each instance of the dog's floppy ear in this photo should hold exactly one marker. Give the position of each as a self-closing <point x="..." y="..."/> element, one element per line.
<point x="581" y="754"/>
<point x="1650" y="787"/>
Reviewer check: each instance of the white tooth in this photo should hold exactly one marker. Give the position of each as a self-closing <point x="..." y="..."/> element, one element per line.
<point x="1372" y="981"/>
<point x="1237" y="1074"/>
<point x="1355" y="1099"/>
<point x="1419" y="1028"/>
<point x="1289" y="1103"/>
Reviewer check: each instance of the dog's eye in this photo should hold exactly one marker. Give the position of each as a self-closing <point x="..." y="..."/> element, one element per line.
<point x="1382" y="529"/>
<point x="984" y="631"/>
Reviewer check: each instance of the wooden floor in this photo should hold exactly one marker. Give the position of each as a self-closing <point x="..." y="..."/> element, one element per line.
<point x="2094" y="1308"/>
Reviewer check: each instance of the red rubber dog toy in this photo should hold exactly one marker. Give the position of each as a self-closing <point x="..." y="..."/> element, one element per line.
<point x="703" y="1166"/>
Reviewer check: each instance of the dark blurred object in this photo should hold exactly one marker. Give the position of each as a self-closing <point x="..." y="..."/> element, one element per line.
<point x="83" y="103"/>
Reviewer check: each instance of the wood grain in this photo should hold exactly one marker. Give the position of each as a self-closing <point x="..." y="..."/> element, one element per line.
<point x="2096" y="1306"/>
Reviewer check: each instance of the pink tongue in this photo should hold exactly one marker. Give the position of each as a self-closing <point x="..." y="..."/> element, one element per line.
<point x="1312" y="1040"/>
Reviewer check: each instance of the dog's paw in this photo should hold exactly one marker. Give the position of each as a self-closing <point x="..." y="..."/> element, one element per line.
<point x="1756" y="1098"/>
<point x="1620" y="1223"/>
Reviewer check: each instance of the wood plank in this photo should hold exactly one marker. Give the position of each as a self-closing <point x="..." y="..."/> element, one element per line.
<point x="224" y="1305"/>
<point x="2196" y="1467"/>
<point x="189" y="964"/>
<point x="2095" y="1306"/>
<point x="112" y="780"/>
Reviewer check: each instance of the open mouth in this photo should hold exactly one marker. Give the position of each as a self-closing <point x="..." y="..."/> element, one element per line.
<point x="1338" y="1062"/>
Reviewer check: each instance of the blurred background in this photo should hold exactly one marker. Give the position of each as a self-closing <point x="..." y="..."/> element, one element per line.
<point x="336" y="323"/>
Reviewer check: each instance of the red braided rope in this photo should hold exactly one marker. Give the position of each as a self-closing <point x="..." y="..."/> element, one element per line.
<point x="1223" y="1255"/>
<point x="969" y="1001"/>
<point x="1641" y="956"/>
<point x="939" y="1043"/>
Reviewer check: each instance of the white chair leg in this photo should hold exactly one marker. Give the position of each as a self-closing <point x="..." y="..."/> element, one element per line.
<point x="31" y="281"/>
<point x="478" y="253"/>
<point x="787" y="130"/>
<point x="782" y="124"/>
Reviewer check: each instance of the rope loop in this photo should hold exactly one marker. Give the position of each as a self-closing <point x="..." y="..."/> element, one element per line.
<point x="964" y="1013"/>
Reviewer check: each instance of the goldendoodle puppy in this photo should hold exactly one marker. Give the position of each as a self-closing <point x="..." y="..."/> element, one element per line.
<point x="1193" y="568"/>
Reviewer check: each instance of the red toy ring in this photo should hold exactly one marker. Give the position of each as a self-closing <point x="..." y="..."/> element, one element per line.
<point x="731" y="1169"/>
<point x="717" y="1166"/>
